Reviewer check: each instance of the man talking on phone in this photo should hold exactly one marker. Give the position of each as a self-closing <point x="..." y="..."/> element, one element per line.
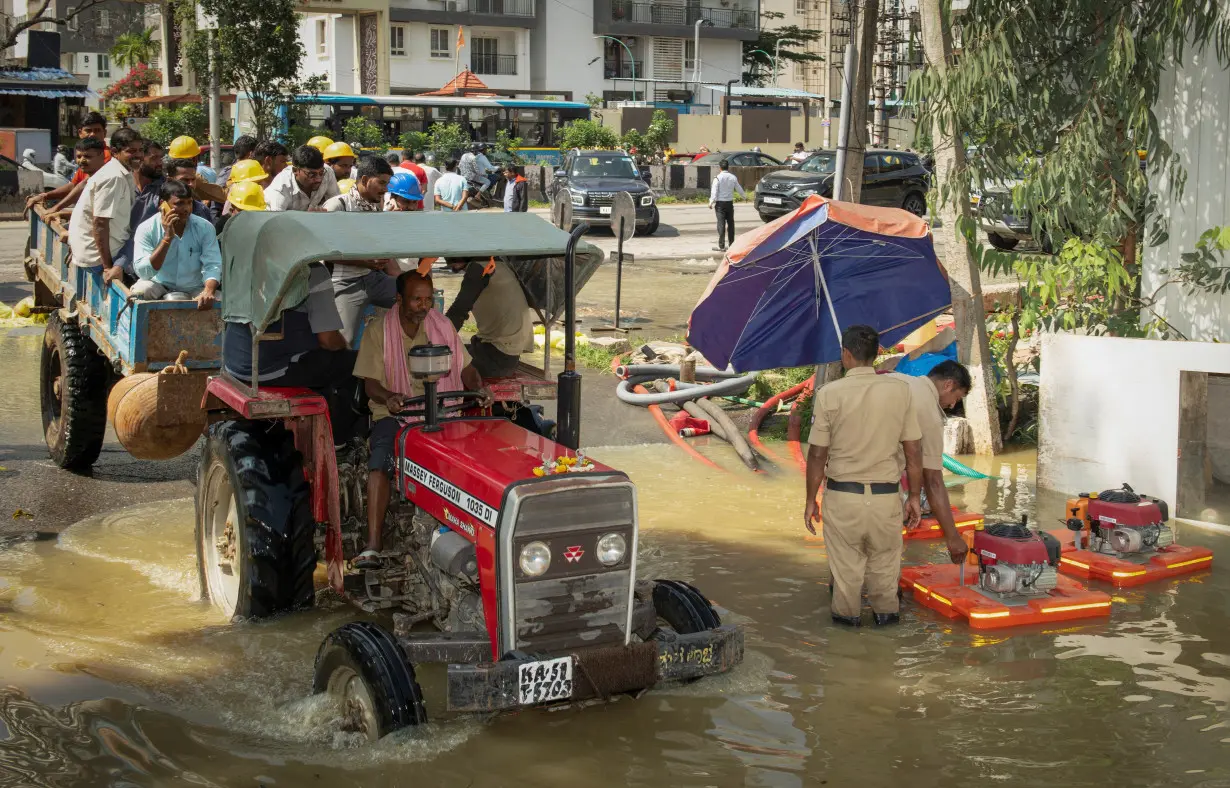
<point x="175" y="252"/>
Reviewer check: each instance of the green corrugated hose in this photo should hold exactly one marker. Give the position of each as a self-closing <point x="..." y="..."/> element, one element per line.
<point x="961" y="469"/>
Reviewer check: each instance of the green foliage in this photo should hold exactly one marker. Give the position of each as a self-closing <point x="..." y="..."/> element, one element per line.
<point x="363" y="131"/>
<point x="1202" y="269"/>
<point x="443" y="140"/>
<point x="593" y="100"/>
<point x="258" y="53"/>
<point x="166" y="124"/>
<point x="131" y="49"/>
<point x="1059" y="96"/>
<point x="508" y="145"/>
<point x="586" y="135"/>
<point x="758" y="66"/>
<point x="657" y="136"/>
<point x="633" y="141"/>
<point x="414" y="141"/>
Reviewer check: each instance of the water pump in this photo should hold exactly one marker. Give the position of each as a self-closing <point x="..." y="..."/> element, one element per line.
<point x="1121" y="522"/>
<point x="1016" y="561"/>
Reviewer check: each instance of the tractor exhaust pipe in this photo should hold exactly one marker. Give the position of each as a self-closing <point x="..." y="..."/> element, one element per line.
<point x="568" y="394"/>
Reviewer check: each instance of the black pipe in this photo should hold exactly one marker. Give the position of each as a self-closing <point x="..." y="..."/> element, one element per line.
<point x="431" y="407"/>
<point x="568" y="392"/>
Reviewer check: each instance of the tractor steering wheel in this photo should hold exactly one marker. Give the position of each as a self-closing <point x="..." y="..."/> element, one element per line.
<point x="467" y="400"/>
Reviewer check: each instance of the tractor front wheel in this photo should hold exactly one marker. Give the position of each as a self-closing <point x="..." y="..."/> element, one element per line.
<point x="254" y="529"/>
<point x="361" y="666"/>
<point x="73" y="395"/>
<point x="680" y="607"/>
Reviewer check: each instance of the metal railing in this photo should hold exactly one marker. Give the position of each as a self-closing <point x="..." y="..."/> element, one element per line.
<point x="617" y="71"/>
<point x="501" y="65"/>
<point x="493" y="7"/>
<point x="684" y="15"/>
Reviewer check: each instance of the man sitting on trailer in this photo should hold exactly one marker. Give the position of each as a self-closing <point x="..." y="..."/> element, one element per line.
<point x="175" y="252"/>
<point x="493" y="293"/>
<point x="382" y="365"/>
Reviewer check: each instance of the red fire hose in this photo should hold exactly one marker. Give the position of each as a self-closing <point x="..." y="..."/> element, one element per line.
<point x="671" y="433"/>
<point x="764" y="410"/>
<point x="794" y="428"/>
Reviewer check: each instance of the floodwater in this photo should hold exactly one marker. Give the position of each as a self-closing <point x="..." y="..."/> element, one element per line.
<point x="114" y="674"/>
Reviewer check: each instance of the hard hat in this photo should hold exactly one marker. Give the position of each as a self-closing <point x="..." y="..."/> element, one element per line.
<point x="404" y="184"/>
<point x="184" y="148"/>
<point x="28" y="153"/>
<point x="247" y="196"/>
<point x="345" y="185"/>
<point x="247" y="170"/>
<point x="337" y="150"/>
<point x="319" y="143"/>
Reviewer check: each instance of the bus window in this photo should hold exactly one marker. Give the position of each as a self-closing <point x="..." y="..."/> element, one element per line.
<point x="528" y="124"/>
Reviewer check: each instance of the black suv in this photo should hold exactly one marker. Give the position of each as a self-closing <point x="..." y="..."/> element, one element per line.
<point x="591" y="179"/>
<point x="890" y="178"/>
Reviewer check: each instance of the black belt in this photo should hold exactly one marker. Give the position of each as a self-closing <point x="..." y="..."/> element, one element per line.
<point x="877" y="488"/>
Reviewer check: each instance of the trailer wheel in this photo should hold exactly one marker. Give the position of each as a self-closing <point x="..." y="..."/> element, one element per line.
<point x="254" y="528"/>
<point x="362" y="666"/>
<point x="73" y="395"/>
<point x="682" y="608"/>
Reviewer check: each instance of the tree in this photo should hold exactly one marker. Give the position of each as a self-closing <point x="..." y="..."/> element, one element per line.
<point x="657" y="137"/>
<point x="758" y="67"/>
<point x="363" y="131"/>
<point x="257" y="50"/>
<point x="132" y="49"/>
<point x="41" y="12"/>
<point x="587" y="134"/>
<point x="442" y="140"/>
<point x="952" y="208"/>
<point x="166" y="124"/>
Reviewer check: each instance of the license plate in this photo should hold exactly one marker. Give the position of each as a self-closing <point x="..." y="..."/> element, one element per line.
<point x="773" y="200"/>
<point x="604" y="210"/>
<point x="550" y="679"/>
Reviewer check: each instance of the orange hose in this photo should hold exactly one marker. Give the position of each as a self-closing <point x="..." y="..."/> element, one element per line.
<point x="770" y="405"/>
<point x="660" y="417"/>
<point x="794" y="429"/>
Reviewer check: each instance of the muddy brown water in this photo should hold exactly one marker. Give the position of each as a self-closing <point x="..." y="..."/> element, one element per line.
<point x="115" y="674"/>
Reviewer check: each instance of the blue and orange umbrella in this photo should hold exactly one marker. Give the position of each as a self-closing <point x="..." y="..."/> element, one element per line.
<point x="784" y="292"/>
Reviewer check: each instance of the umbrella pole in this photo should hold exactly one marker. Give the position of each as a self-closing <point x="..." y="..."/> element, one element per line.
<point x="828" y="299"/>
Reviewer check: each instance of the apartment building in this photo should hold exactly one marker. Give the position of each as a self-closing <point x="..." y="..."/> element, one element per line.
<point x="618" y="50"/>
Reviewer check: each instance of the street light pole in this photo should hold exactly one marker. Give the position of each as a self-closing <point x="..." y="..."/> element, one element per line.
<point x="777" y="48"/>
<point x="631" y="60"/>
<point x="696" y="49"/>
<point x="770" y="57"/>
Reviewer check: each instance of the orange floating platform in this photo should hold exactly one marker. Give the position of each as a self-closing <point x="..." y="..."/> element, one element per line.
<point x="938" y="586"/>
<point x="929" y="527"/>
<point x="1173" y="561"/>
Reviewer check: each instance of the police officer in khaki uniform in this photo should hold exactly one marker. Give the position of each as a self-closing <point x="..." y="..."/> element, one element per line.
<point x="860" y="423"/>
<point x="930" y="395"/>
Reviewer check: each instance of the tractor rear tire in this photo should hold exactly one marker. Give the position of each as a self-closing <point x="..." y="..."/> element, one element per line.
<point x="362" y="665"/>
<point x="683" y="608"/>
<point x="254" y="529"/>
<point x="73" y="394"/>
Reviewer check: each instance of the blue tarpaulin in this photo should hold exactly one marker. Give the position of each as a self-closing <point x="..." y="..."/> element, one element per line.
<point x="50" y="83"/>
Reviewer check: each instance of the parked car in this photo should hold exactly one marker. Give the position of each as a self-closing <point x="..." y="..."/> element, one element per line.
<point x="592" y="178"/>
<point x="890" y="178"/>
<point x="739" y="158"/>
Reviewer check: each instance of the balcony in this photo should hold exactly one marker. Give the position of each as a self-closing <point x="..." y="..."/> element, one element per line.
<point x="683" y="15"/>
<point x="496" y="7"/>
<point x="617" y="71"/>
<point x="480" y="13"/>
<point x="499" y="65"/>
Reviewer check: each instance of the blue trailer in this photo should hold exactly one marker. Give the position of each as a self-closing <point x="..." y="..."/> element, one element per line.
<point x="96" y="336"/>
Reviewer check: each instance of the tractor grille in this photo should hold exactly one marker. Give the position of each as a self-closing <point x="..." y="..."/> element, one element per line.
<point x="599" y="199"/>
<point x="578" y="602"/>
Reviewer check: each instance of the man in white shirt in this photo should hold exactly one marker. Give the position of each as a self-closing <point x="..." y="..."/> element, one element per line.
<point x="799" y="155"/>
<point x="303" y="186"/>
<point x="722" y="199"/>
<point x="100" y="222"/>
<point x="357" y="283"/>
<point x="433" y="175"/>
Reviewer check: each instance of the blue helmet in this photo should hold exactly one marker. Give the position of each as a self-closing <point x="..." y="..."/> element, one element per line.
<point x="406" y="185"/>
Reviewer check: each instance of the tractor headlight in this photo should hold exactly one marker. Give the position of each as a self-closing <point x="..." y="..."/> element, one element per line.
<point x="577" y="199"/>
<point x="535" y="558"/>
<point x="611" y="549"/>
<point x="647" y="199"/>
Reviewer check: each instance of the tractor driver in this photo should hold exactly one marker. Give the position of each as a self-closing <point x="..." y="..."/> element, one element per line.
<point x="493" y="293"/>
<point x="411" y="322"/>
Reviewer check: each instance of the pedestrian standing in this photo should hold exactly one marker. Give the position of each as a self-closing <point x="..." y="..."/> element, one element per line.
<point x="357" y="283"/>
<point x="722" y="200"/>
<point x="450" y="189"/>
<point x="516" y="190"/>
<point x="859" y="425"/>
<point x="433" y="175"/>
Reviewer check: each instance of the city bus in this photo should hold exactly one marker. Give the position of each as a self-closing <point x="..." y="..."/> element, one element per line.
<point x="536" y="122"/>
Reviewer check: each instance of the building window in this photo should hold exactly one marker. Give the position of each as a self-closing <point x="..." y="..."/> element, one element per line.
<point x="397" y="41"/>
<point x="104" y="20"/>
<point x="485" y="58"/>
<point x="800" y="70"/>
<point x="104" y="66"/>
<point x="800" y="6"/>
<point x="440" y="42"/>
<point x="689" y="57"/>
<point x="322" y="39"/>
<point x="71" y="24"/>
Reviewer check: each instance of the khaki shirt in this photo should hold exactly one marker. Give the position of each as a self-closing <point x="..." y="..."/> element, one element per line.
<point x="503" y="316"/>
<point x="370" y="363"/>
<point x="925" y="404"/>
<point x="862" y="419"/>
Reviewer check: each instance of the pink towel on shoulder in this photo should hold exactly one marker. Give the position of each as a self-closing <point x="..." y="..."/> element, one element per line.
<point x="396" y="368"/>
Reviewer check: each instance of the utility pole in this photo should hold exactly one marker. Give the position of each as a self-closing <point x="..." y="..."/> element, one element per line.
<point x="951" y="180"/>
<point x="215" y="107"/>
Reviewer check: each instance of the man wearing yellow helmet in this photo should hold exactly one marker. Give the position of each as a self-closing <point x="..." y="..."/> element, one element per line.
<point x="319" y="142"/>
<point x="246" y="196"/>
<point x="341" y="158"/>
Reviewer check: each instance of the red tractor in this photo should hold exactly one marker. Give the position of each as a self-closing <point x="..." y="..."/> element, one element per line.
<point x="508" y="556"/>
